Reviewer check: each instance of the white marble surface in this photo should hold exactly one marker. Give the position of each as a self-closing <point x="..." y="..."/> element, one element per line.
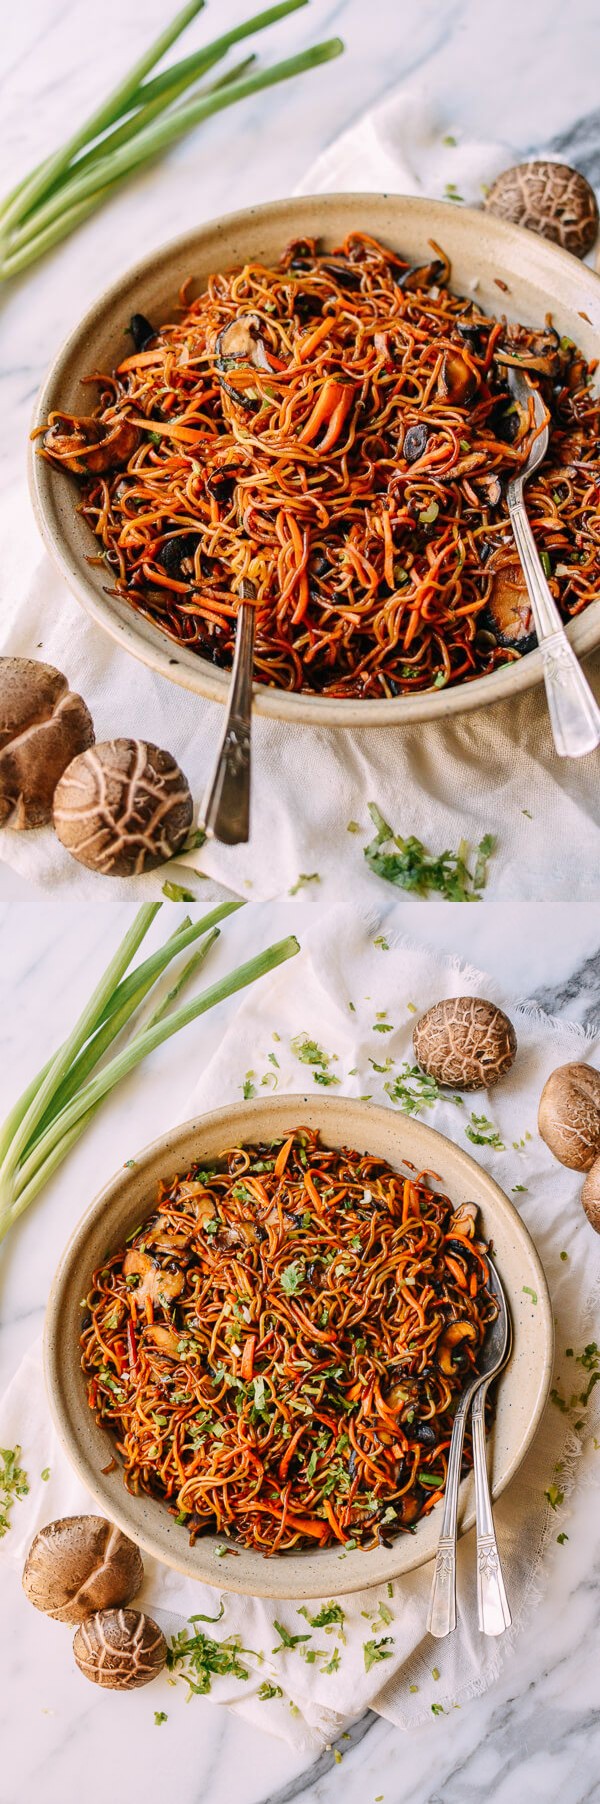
<point x="525" y="72"/>
<point x="536" y="1731"/>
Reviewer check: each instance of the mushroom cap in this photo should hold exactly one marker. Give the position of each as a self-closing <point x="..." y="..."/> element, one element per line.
<point x="78" y="1564"/>
<point x="466" y="1041"/>
<point x="569" y="1115"/>
<point x="42" y="727"/>
<point x="120" y="1649"/>
<point x="549" y="198"/>
<point x="123" y="807"/>
<point x="590" y="1195"/>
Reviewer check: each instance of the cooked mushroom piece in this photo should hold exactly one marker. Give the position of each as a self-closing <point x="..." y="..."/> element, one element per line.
<point x="177" y="556"/>
<point x="141" y="331"/>
<point x="344" y="274"/>
<point x="241" y="342"/>
<point x="422" y="275"/>
<point x="156" y="1284"/>
<point x="415" y="442"/>
<point x="524" y="350"/>
<point x="457" y="382"/>
<point x="508" y="610"/>
<point x="89" y="446"/>
<point x="452" y="1339"/>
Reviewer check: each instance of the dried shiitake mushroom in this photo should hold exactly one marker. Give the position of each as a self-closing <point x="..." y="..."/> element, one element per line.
<point x="89" y="446"/>
<point x="78" y="1564"/>
<point x="120" y="1649"/>
<point x="465" y="1041"/>
<point x="590" y="1195"/>
<point x="569" y="1115"/>
<point x="42" y="727"/>
<point x="123" y="807"/>
<point x="548" y="198"/>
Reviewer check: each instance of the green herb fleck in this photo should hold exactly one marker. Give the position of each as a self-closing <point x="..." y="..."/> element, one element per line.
<point x="377" y="1650"/>
<point x="555" y="1497"/>
<point x="562" y="1538"/>
<point x="527" y="1292"/>
<point x="267" y="1690"/>
<point x="160" y="1716"/>
<point x="292" y="1278"/>
<point x="305" y="878"/>
<point x="175" y="892"/>
<point x="13" y="1484"/>
<point x="285" y="1639"/>
<point x="45" y="1474"/>
<point x="408" y="865"/>
<point x="482" y="1132"/>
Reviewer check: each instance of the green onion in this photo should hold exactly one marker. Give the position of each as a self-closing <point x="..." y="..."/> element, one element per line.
<point x="58" y="1104"/>
<point x="135" y="123"/>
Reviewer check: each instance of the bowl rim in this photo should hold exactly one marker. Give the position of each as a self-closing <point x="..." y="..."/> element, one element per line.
<point x="145" y="641"/>
<point x="190" y="1561"/>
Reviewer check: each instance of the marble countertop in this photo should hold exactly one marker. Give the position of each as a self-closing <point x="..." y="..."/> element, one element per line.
<point x="537" y="1729"/>
<point x="525" y="73"/>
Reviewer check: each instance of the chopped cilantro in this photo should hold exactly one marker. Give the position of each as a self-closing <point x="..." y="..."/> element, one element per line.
<point x="45" y="1474"/>
<point x="407" y="864"/>
<point x="482" y="1132"/>
<point x="325" y="1078"/>
<point x="285" y="1639"/>
<point x="248" y="1088"/>
<point x="331" y="1615"/>
<point x="562" y="1538"/>
<point x="377" y="1650"/>
<point x="267" y="1690"/>
<point x="564" y="1255"/>
<point x="292" y="1278"/>
<point x="437" y="1709"/>
<point x="309" y="1053"/>
<point x="13" y="1484"/>
<point x="353" y="827"/>
<point x="160" y="1716"/>
<point x="198" y="1656"/>
<point x="381" y="941"/>
<point x="527" y="1292"/>
<point x="413" y="1090"/>
<point x="555" y="1497"/>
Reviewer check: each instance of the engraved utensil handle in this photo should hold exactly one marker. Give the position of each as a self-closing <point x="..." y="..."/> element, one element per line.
<point x="225" y="814"/>
<point x="492" y="1603"/>
<point x="441" y="1618"/>
<point x="574" y="712"/>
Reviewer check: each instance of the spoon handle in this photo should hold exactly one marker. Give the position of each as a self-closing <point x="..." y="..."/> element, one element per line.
<point x="441" y="1618"/>
<point x="226" y="808"/>
<point x="574" y="712"/>
<point x="492" y="1603"/>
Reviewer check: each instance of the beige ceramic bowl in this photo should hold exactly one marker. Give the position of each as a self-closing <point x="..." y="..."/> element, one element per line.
<point x="123" y="1203"/>
<point x="506" y="269"/>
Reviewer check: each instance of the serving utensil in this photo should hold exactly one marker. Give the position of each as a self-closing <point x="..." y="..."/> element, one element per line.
<point x="492" y="1603"/>
<point x="491" y="1595"/>
<point x="574" y="713"/>
<point x="225" y="812"/>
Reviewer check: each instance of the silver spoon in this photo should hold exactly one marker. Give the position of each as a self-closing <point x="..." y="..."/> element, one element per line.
<point x="441" y="1617"/>
<point x="574" y="713"/>
<point x="492" y="1603"/>
<point x="225" y="812"/>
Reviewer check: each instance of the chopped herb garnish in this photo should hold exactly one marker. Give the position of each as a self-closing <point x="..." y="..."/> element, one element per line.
<point x="304" y="878"/>
<point x="285" y="1639"/>
<point x="437" y="1709"/>
<point x="13" y="1484"/>
<point x="482" y="1132"/>
<point x="377" y="1650"/>
<point x="382" y="942"/>
<point x="414" y="1090"/>
<point x="248" y="1087"/>
<point x="198" y="1657"/>
<point x="562" y="1538"/>
<point x="527" y="1292"/>
<point x="45" y="1474"/>
<point x="174" y="892"/>
<point x="407" y="864"/>
<point x="160" y="1716"/>
<point x="555" y="1497"/>
<point x="292" y="1277"/>
<point x="268" y="1690"/>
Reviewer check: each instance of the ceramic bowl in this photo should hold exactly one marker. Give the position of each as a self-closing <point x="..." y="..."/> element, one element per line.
<point x="521" y="1394"/>
<point x="506" y="269"/>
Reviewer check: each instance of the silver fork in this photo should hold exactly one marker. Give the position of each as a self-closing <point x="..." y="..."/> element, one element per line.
<point x="441" y="1617"/>
<point x="225" y="811"/>
<point x="574" y="713"/>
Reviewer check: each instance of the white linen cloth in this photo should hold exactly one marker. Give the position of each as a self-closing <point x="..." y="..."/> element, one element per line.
<point x="339" y="965"/>
<point x="479" y="772"/>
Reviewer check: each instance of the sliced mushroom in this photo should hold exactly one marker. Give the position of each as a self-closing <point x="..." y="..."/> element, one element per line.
<point x="158" y="1285"/>
<point x="141" y="331"/>
<point x="415" y="442"/>
<point x="344" y="273"/>
<point x="508" y="610"/>
<point x="492" y="489"/>
<point x="166" y="1340"/>
<point x="88" y="446"/>
<point x="453" y="1337"/>
<point x="241" y="342"/>
<point x="465" y="1218"/>
<point x="422" y="275"/>
<point x="457" y="382"/>
<point x="528" y="350"/>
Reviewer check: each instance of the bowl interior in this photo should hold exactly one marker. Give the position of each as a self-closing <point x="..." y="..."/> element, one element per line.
<point x="521" y="1394"/>
<point x="506" y="269"/>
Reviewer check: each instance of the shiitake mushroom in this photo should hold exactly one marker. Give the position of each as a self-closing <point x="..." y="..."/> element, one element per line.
<point x="507" y="614"/>
<point x="88" y="446"/>
<point x="465" y="1041"/>
<point x="241" y="342"/>
<point x="43" y="725"/>
<point x="177" y="556"/>
<point x="141" y="331"/>
<point x="120" y="1649"/>
<point x="569" y="1115"/>
<point x="415" y="442"/>
<point x="78" y="1564"/>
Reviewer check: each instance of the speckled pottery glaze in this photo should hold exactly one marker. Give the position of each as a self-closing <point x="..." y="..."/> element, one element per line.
<point x="124" y="1202"/>
<point x="504" y="268"/>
